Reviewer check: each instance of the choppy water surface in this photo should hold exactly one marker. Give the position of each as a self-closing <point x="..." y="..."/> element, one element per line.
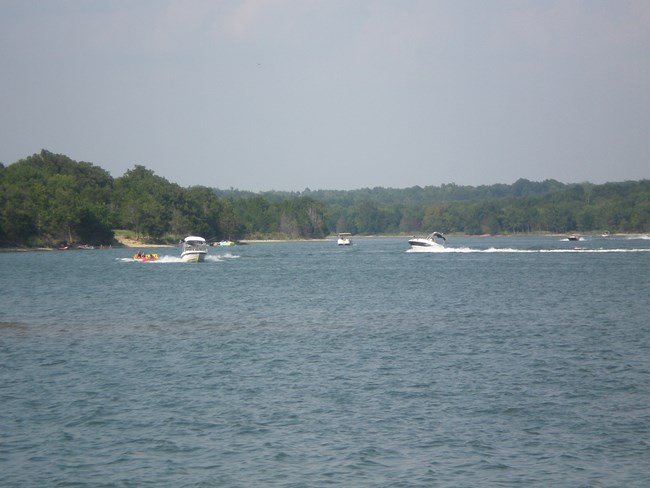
<point x="500" y="362"/>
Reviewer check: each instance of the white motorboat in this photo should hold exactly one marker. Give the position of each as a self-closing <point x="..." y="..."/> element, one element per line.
<point x="194" y="249"/>
<point x="344" y="239"/>
<point x="435" y="239"/>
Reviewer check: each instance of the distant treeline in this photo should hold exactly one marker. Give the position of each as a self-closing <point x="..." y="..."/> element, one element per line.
<point x="48" y="199"/>
<point x="525" y="206"/>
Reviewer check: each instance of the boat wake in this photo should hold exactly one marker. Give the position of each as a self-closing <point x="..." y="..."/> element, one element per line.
<point x="438" y="249"/>
<point x="221" y="257"/>
<point x="166" y="259"/>
<point x="460" y="250"/>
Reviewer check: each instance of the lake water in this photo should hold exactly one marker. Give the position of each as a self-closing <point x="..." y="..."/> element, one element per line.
<point x="499" y="362"/>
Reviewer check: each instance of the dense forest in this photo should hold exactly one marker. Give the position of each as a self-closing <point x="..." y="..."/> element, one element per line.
<point x="48" y="199"/>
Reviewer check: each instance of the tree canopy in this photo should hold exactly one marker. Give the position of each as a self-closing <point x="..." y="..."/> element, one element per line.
<point x="49" y="199"/>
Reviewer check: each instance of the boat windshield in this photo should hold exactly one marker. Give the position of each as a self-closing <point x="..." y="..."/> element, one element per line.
<point x="194" y="246"/>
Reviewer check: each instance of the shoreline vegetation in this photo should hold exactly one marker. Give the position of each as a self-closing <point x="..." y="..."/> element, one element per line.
<point x="48" y="200"/>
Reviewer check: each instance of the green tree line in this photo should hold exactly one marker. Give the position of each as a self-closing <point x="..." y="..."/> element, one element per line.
<point x="49" y="199"/>
<point x="524" y="206"/>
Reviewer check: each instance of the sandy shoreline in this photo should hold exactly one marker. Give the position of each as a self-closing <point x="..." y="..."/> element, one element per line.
<point x="126" y="242"/>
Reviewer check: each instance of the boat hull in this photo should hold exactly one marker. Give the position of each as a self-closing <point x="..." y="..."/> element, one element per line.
<point x="193" y="257"/>
<point x="344" y="239"/>
<point x="435" y="240"/>
<point x="425" y="243"/>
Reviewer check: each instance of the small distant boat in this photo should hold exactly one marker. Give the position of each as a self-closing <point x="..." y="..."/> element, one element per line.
<point x="194" y="249"/>
<point x="435" y="239"/>
<point x="344" y="239"/>
<point x="225" y="243"/>
<point x="141" y="256"/>
<point x="573" y="237"/>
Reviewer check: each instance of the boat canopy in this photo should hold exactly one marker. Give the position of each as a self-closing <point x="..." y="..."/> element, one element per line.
<point x="194" y="239"/>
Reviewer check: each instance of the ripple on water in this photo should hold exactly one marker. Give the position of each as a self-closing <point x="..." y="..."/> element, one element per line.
<point x="296" y="366"/>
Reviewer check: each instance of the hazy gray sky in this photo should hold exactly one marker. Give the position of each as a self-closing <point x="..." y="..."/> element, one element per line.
<point x="336" y="94"/>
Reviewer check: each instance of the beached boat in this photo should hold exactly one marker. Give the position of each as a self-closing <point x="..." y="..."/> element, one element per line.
<point x="194" y="249"/>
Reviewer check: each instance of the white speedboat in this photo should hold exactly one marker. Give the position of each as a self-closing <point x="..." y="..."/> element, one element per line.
<point x="194" y="249"/>
<point x="344" y="239"/>
<point x="435" y="239"/>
